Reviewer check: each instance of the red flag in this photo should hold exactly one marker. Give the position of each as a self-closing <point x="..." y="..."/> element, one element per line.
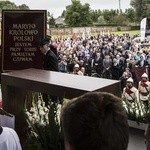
<point x="138" y="72"/>
<point x="60" y="36"/>
<point x="74" y="36"/>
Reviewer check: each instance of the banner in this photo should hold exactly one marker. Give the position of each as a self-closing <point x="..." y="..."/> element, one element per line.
<point x="143" y="28"/>
<point x="139" y="71"/>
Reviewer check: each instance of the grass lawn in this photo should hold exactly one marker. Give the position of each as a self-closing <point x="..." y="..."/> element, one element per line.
<point x="132" y="32"/>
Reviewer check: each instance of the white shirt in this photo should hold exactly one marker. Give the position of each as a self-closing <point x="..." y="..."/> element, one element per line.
<point x="132" y="96"/>
<point x="144" y="90"/>
<point x="9" y="140"/>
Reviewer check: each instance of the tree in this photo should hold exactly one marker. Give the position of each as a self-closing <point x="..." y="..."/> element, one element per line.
<point x="7" y="5"/>
<point x="109" y="15"/>
<point x="63" y="14"/>
<point x="78" y="15"/>
<point x="50" y="20"/>
<point x="121" y="20"/>
<point x="95" y="15"/>
<point x="11" y="5"/>
<point x="23" y="7"/>
<point x="130" y="14"/>
<point x="101" y="20"/>
<point x="141" y="8"/>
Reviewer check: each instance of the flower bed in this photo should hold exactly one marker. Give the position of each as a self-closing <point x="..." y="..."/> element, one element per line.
<point x="136" y="114"/>
<point x="44" y="126"/>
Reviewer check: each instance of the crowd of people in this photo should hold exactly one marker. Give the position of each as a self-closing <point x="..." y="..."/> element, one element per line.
<point x="117" y="57"/>
<point x="106" y="55"/>
<point x="137" y="99"/>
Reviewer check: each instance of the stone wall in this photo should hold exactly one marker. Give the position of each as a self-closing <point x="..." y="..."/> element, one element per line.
<point x="86" y="30"/>
<point x="81" y="30"/>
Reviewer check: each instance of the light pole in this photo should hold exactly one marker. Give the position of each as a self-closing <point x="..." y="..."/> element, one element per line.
<point x="119" y="6"/>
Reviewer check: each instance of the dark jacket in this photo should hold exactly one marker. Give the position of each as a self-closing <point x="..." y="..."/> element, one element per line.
<point x="50" y="61"/>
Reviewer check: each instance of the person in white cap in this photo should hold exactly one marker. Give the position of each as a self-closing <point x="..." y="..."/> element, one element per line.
<point x="130" y="93"/>
<point x="77" y="70"/>
<point x="130" y="97"/>
<point x="144" y="90"/>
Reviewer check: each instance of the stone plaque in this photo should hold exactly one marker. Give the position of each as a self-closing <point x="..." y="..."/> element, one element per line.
<point x="21" y="32"/>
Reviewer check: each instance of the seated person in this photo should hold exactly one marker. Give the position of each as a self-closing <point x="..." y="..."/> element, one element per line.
<point x="95" y="121"/>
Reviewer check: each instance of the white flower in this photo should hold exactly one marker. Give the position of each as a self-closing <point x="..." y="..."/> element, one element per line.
<point x="41" y="112"/>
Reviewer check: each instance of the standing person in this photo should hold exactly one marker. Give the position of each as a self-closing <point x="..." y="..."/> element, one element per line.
<point x="115" y="70"/>
<point x="130" y="93"/>
<point x="126" y="75"/>
<point x="131" y="97"/>
<point x="107" y="64"/>
<point x="50" y="62"/>
<point x="144" y="90"/>
<point x="88" y="65"/>
<point x="98" y="63"/>
<point x="63" y="64"/>
<point x="9" y="139"/>
<point x="142" y="62"/>
<point x="95" y="121"/>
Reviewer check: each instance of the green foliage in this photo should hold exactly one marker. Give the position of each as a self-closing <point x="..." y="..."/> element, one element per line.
<point x="101" y="20"/>
<point x="118" y="28"/>
<point x="109" y="15"/>
<point x="11" y="5"/>
<point x="78" y="15"/>
<point x="7" y="5"/>
<point x="120" y="20"/>
<point x="50" y="20"/>
<point x="95" y="14"/>
<point x="130" y="14"/>
<point x="23" y="7"/>
<point x="135" y="111"/>
<point x="141" y="8"/>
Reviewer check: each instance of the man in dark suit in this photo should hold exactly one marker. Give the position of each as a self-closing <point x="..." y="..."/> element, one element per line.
<point x="50" y="62"/>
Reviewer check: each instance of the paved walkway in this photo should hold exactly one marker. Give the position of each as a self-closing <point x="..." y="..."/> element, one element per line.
<point x="136" y="141"/>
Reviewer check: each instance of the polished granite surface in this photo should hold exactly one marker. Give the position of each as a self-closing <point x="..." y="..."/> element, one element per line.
<point x="136" y="141"/>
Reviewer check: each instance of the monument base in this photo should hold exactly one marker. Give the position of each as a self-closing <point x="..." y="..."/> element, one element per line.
<point x="137" y="125"/>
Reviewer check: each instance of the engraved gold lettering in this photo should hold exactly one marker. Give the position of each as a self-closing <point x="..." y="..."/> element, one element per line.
<point x="33" y="49"/>
<point x="24" y="26"/>
<point x="13" y="49"/>
<point x="30" y="54"/>
<point x="23" y="32"/>
<point x="22" y="59"/>
<point x="23" y="44"/>
<point x="23" y="38"/>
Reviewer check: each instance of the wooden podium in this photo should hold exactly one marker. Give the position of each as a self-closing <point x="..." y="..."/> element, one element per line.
<point x="15" y="85"/>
